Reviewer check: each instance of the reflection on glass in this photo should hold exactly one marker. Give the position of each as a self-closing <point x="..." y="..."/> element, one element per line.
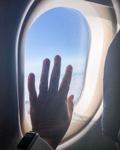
<point x="59" y="31"/>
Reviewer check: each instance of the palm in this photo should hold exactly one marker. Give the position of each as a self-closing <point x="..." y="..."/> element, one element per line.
<point x="49" y="115"/>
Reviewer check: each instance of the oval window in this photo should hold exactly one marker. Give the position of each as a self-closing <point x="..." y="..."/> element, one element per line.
<point x="59" y="31"/>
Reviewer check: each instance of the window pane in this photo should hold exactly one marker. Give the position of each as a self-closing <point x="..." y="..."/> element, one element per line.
<point x="59" y="31"/>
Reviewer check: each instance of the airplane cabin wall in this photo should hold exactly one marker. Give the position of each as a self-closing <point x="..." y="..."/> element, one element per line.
<point x="10" y="17"/>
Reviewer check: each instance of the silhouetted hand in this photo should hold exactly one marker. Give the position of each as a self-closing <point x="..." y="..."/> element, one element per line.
<point x="50" y="110"/>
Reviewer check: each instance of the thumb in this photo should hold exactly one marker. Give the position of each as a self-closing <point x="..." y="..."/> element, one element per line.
<point x="70" y="106"/>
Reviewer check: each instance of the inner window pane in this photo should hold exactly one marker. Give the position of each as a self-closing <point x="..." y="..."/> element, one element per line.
<point x="59" y="31"/>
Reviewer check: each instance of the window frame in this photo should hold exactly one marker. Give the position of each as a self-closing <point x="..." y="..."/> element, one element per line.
<point x="20" y="46"/>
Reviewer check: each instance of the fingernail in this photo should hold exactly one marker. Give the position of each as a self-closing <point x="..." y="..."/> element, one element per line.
<point x="69" y="68"/>
<point x="46" y="61"/>
<point x="31" y="76"/>
<point x="72" y="97"/>
<point x="57" y="59"/>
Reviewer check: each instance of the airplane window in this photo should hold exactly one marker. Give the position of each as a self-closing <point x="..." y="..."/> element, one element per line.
<point x="59" y="31"/>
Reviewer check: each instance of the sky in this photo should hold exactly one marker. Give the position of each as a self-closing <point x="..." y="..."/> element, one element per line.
<point x="59" y="31"/>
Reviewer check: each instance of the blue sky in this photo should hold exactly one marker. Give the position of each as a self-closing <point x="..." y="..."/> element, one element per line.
<point x="60" y="31"/>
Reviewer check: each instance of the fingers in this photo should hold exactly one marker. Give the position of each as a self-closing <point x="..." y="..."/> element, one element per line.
<point x="54" y="81"/>
<point x="43" y="88"/>
<point x="64" y="87"/>
<point x="31" y="89"/>
<point x="70" y="106"/>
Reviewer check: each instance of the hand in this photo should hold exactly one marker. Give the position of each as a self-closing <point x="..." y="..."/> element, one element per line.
<point x="49" y="111"/>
